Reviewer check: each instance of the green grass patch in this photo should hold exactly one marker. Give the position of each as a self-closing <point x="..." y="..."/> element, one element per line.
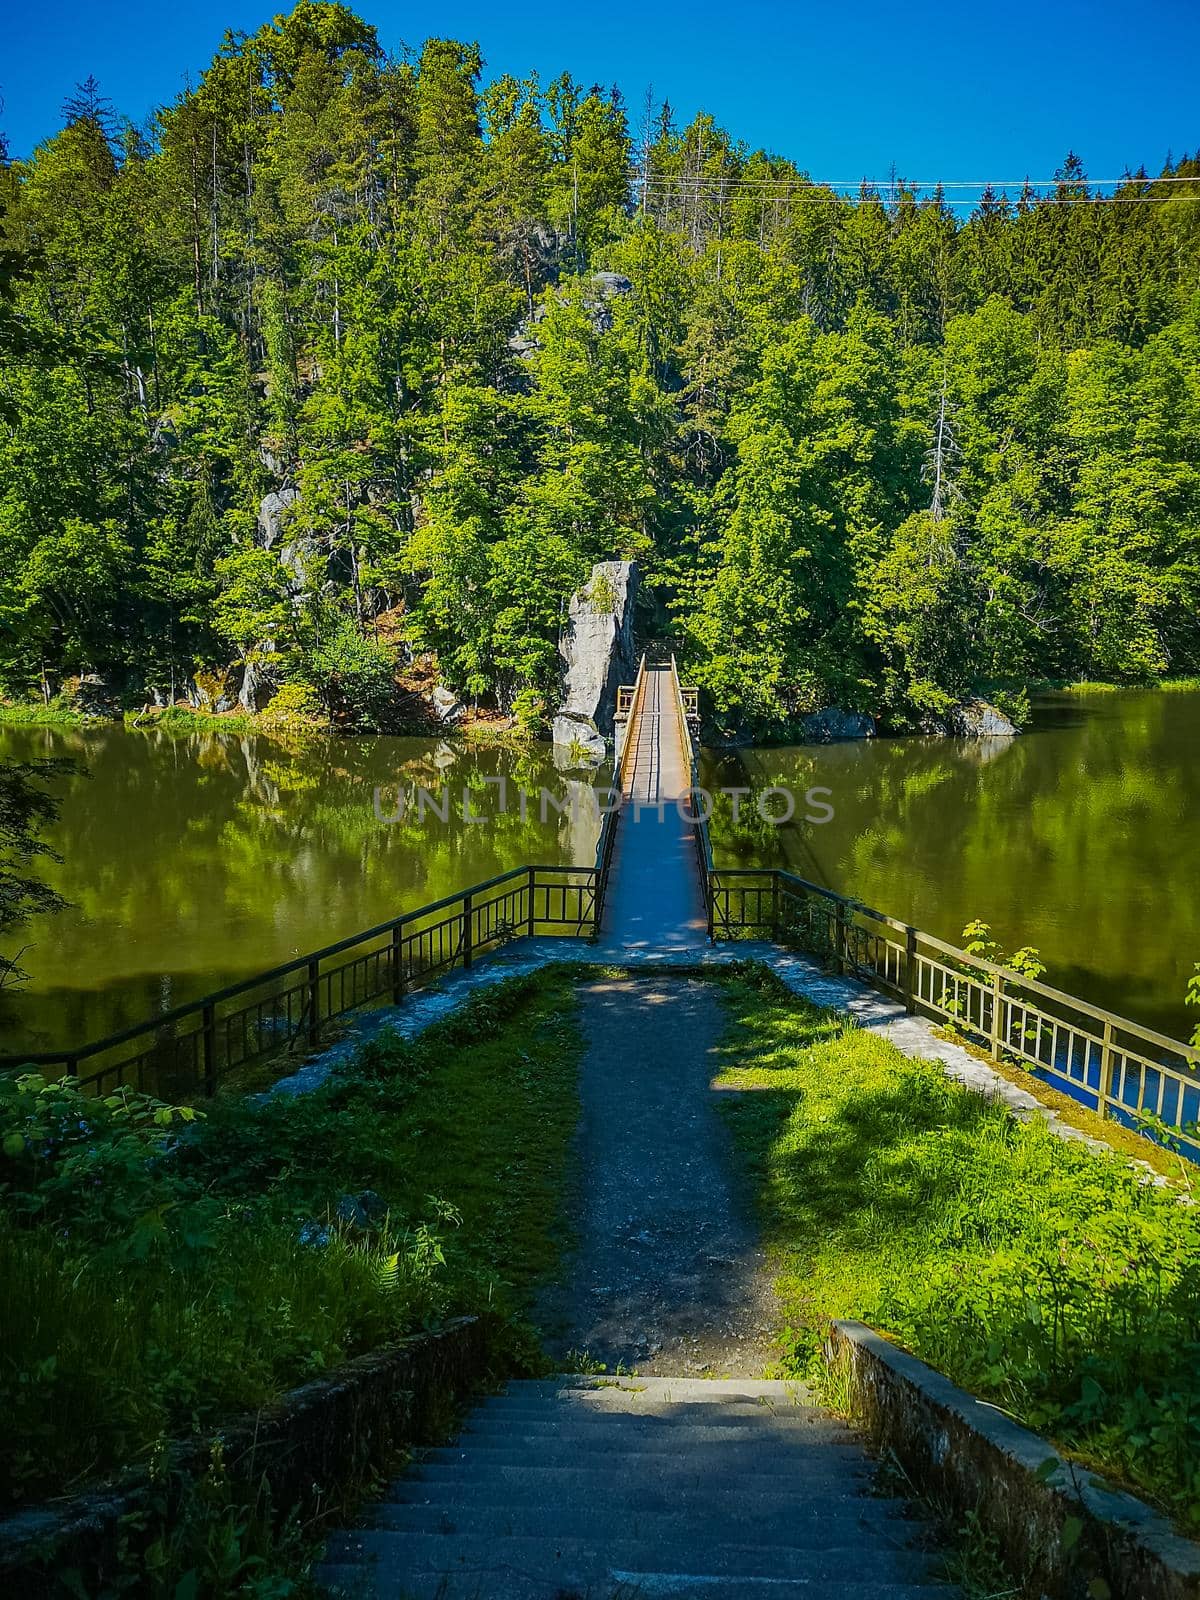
<point x="36" y="714"/>
<point x="162" y="1270"/>
<point x="1042" y="1276"/>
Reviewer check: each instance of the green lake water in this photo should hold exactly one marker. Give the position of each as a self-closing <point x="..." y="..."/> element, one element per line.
<point x="1081" y="837"/>
<point x="193" y="862"/>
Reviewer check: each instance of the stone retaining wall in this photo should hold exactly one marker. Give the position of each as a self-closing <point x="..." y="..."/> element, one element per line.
<point x="307" y="1448"/>
<point x="1071" y="1534"/>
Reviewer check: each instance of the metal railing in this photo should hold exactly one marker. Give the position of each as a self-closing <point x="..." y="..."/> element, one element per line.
<point x="194" y="1046"/>
<point x="1117" y="1067"/>
<point x="629" y="703"/>
<point x="687" y="702"/>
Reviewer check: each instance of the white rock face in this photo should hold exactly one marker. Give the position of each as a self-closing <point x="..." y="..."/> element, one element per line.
<point x="598" y="653"/>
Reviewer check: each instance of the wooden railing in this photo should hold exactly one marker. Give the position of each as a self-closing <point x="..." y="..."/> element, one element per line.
<point x="1115" y="1066"/>
<point x="191" y="1048"/>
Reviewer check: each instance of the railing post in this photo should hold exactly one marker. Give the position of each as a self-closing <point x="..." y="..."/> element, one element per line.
<point x="997" y="1015"/>
<point x="775" y="907"/>
<point x="314" y="1002"/>
<point x="839" y="937"/>
<point x="468" y="918"/>
<point x="208" y="1045"/>
<point x="397" y="965"/>
<point x="910" y="971"/>
<point x="1106" y="1069"/>
<point x="531" y="916"/>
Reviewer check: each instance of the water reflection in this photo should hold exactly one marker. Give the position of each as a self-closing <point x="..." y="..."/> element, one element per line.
<point x="1079" y="837"/>
<point x="194" y="861"/>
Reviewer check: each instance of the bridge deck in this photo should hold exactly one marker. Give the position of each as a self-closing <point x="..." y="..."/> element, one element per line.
<point x="654" y="894"/>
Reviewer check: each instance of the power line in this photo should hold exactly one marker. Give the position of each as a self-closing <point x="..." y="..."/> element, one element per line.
<point x="805" y="193"/>
<point x="940" y="183"/>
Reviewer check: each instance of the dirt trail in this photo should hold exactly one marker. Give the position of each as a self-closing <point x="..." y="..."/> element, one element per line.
<point x="668" y="1275"/>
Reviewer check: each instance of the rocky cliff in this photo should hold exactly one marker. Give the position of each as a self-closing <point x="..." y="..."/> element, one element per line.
<point x="598" y="654"/>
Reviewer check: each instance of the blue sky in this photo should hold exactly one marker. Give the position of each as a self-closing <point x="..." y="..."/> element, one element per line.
<point x="954" y="91"/>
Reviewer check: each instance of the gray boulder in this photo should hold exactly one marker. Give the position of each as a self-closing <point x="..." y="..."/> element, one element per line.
<point x="975" y="719"/>
<point x="259" y="683"/>
<point x="598" y="654"/>
<point x="97" y="697"/>
<point x="578" y="743"/>
<point x="272" y="513"/>
<point x="447" y="707"/>
<point x="833" y="725"/>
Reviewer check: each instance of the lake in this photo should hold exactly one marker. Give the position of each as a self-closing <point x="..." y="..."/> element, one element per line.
<point x="193" y="861"/>
<point x="1079" y="837"/>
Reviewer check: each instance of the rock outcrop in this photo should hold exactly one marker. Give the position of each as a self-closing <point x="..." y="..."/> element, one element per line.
<point x="600" y="290"/>
<point x="95" y="696"/>
<point x="446" y="706"/>
<point x="975" y="719"/>
<point x="259" y="683"/>
<point x="598" y="654"/>
<point x="833" y="725"/>
<point x="272" y="512"/>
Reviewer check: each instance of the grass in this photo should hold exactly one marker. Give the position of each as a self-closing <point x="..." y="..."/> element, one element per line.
<point x="1127" y="1141"/>
<point x="162" y="1271"/>
<point x="1045" y="1277"/>
<point x="1090" y="686"/>
<point x="36" y="714"/>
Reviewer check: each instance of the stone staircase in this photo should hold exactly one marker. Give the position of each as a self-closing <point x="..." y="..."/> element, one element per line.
<point x="635" y="1488"/>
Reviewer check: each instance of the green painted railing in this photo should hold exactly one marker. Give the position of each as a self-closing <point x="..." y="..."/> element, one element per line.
<point x="1107" y="1062"/>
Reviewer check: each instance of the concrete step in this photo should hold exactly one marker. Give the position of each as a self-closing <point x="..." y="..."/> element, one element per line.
<point x="644" y="1433"/>
<point x="738" y="1458"/>
<point x="708" y="1501"/>
<point x="730" y="1416"/>
<point x="358" y="1583"/>
<point x="819" y="1525"/>
<point x="680" y="1390"/>
<point x="799" y="1478"/>
<point x="548" y="1557"/>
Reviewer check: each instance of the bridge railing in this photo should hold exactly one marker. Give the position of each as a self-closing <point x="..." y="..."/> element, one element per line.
<point x="192" y="1047"/>
<point x="1117" y="1067"/>
<point x="687" y="705"/>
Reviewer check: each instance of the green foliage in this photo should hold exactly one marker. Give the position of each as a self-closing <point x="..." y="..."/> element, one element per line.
<point x="1039" y="1274"/>
<point x="355" y="673"/>
<point x="866" y="451"/>
<point x="294" y="705"/>
<point x="167" y="1267"/>
<point x="1192" y="998"/>
<point x="978" y="941"/>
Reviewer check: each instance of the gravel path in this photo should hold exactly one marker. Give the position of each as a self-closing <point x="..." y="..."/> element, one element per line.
<point x="667" y="1275"/>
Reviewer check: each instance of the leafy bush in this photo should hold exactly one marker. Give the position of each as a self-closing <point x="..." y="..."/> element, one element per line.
<point x="355" y="673"/>
<point x="529" y="711"/>
<point x="294" y="705"/>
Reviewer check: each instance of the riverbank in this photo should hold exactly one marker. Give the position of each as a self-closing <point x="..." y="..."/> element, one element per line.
<point x="495" y="728"/>
<point x="296" y="721"/>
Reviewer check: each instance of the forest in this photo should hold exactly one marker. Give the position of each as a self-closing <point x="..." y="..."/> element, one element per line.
<point x="466" y="337"/>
